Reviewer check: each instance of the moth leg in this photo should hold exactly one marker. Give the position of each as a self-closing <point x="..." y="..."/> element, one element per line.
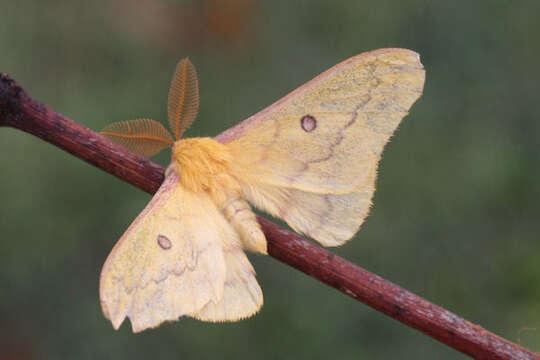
<point x="243" y="219"/>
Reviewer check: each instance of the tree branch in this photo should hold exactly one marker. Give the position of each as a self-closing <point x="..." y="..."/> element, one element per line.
<point x="20" y="111"/>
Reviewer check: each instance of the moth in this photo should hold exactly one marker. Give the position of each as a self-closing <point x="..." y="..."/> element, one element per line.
<point x="310" y="159"/>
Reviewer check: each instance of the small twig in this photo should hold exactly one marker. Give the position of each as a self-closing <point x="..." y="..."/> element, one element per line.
<point x="19" y="110"/>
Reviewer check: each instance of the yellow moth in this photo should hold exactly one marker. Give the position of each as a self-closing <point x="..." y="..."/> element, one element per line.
<point x="309" y="159"/>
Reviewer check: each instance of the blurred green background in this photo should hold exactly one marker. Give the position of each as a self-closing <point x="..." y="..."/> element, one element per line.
<point x="457" y="207"/>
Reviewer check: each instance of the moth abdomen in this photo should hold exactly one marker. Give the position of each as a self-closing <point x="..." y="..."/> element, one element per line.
<point x="242" y="218"/>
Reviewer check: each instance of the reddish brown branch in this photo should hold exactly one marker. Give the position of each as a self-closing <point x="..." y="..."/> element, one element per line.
<point x="19" y="110"/>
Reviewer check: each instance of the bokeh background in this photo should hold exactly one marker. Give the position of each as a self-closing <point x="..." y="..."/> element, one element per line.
<point x="457" y="207"/>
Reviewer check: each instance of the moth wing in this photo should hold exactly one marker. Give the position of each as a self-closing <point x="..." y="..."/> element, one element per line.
<point x="170" y="261"/>
<point x="331" y="219"/>
<point x="328" y="135"/>
<point x="311" y="158"/>
<point x="242" y="296"/>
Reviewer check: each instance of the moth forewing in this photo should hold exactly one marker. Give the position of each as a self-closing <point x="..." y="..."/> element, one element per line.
<point x="313" y="155"/>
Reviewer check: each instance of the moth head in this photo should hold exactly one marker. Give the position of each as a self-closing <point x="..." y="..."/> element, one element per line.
<point x="203" y="164"/>
<point x="203" y="153"/>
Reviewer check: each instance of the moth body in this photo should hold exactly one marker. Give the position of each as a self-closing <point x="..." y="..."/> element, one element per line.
<point x="205" y="165"/>
<point x="239" y="214"/>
